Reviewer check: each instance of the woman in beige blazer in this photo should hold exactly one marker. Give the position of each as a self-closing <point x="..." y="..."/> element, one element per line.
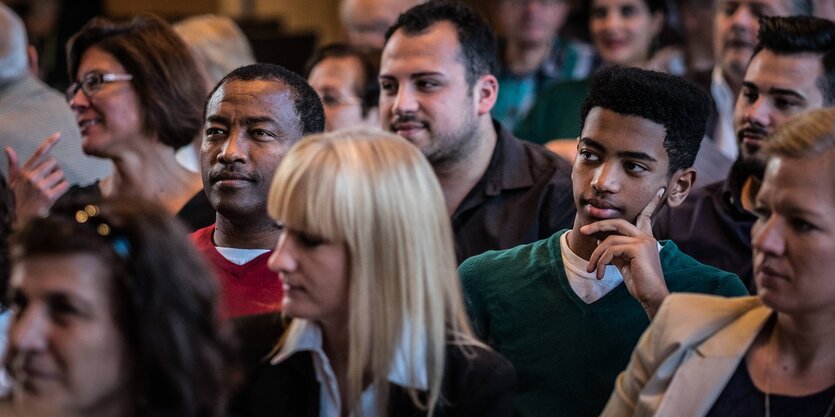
<point x="771" y="355"/>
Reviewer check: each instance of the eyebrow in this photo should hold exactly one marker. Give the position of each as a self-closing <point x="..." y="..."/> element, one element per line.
<point x="249" y="120"/>
<point x="84" y="307"/>
<point x="624" y="154"/>
<point x="217" y="119"/>
<point x="259" y="119"/>
<point x="774" y="91"/>
<point x="793" y="209"/>
<point x="94" y="71"/>
<point x="426" y="74"/>
<point x="415" y="75"/>
<point x="785" y="92"/>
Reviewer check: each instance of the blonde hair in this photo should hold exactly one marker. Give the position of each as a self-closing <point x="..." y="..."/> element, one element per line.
<point x="806" y="135"/>
<point x="377" y="193"/>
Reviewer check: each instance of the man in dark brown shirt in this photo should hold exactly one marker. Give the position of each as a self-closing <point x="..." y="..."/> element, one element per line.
<point x="787" y="76"/>
<point x="437" y="89"/>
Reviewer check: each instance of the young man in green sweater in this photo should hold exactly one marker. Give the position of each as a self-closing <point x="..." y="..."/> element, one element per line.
<point x="568" y="310"/>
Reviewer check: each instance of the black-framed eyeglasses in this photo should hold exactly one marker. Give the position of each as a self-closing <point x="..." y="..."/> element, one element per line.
<point x="92" y="82"/>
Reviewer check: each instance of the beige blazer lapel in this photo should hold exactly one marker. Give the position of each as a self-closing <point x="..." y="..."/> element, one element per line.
<point x="706" y="368"/>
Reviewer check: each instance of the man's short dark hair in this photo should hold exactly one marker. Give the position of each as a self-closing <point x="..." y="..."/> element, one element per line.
<point x="367" y="89"/>
<point x="802" y="34"/>
<point x="476" y="41"/>
<point x="306" y="102"/>
<point x="678" y="105"/>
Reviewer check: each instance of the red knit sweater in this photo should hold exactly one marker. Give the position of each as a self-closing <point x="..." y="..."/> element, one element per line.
<point x="246" y="289"/>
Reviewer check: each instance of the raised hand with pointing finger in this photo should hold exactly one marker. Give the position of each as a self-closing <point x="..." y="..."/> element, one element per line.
<point x="634" y="251"/>
<point x="38" y="182"/>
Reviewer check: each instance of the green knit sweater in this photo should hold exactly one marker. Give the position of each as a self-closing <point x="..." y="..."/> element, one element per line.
<point x="567" y="353"/>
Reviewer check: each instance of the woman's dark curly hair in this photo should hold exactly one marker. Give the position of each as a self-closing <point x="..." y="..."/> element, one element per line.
<point x="164" y="73"/>
<point x="165" y="297"/>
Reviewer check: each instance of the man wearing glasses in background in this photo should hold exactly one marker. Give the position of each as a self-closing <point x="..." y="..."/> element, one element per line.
<point x="345" y="78"/>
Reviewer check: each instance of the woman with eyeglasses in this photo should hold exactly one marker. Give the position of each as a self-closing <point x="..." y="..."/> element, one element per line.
<point x="378" y="325"/>
<point x="113" y="316"/>
<point x="138" y="98"/>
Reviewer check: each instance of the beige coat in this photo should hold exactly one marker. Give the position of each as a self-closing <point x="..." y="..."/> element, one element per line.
<point x="686" y="357"/>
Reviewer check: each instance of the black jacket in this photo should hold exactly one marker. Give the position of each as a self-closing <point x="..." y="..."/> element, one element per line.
<point x="476" y="384"/>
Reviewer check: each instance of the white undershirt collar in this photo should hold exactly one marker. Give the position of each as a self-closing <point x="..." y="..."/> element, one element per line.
<point x="585" y="284"/>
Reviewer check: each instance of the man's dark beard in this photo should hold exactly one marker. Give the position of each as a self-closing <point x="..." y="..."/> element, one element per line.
<point x="753" y="167"/>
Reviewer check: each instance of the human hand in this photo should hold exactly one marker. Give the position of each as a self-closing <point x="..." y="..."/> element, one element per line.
<point x="38" y="183"/>
<point x="634" y="251"/>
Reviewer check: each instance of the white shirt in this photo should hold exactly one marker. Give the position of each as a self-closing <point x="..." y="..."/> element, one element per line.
<point x="307" y="336"/>
<point x="240" y="256"/>
<point x="585" y="284"/>
<point x="188" y="158"/>
<point x="724" y="136"/>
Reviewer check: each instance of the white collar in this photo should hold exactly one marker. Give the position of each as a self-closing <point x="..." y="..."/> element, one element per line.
<point x="719" y="86"/>
<point x="306" y="335"/>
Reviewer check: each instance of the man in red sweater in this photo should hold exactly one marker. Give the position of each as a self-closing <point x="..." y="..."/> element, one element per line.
<point x="252" y="118"/>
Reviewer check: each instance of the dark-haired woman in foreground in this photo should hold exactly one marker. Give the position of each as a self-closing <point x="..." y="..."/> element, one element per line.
<point x="114" y="315"/>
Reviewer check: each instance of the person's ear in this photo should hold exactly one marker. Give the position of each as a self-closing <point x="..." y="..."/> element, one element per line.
<point x="486" y="91"/>
<point x="657" y="23"/>
<point x="372" y="118"/>
<point x="680" y="186"/>
<point x="32" y="60"/>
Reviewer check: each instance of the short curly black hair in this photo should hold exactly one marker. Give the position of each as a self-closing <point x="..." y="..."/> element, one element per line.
<point x="802" y="34"/>
<point x="306" y="101"/>
<point x="476" y="40"/>
<point x="678" y="105"/>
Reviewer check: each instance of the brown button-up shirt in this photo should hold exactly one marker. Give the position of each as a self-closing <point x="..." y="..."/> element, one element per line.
<point x="525" y="195"/>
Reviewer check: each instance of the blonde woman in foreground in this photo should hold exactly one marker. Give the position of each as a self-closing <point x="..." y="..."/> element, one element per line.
<point x="366" y="257"/>
<point x="772" y="355"/>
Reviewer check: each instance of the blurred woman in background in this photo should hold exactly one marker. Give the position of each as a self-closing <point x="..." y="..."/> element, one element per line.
<point x="138" y="98"/>
<point x="623" y="32"/>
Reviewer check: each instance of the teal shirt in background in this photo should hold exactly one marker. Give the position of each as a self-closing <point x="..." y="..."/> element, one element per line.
<point x="555" y="114"/>
<point x="567" y="353"/>
<point x="567" y="60"/>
